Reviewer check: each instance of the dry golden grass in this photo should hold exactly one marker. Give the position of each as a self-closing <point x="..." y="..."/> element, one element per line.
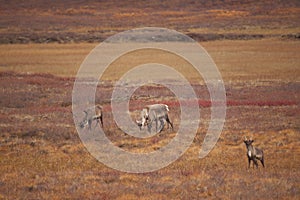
<point x="41" y="156"/>
<point x="62" y="60"/>
<point x="237" y="60"/>
<point x="256" y="59"/>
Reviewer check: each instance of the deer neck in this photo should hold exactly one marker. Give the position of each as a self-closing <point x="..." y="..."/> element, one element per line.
<point x="250" y="150"/>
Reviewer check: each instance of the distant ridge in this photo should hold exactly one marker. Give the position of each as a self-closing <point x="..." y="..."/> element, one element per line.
<point x="96" y="38"/>
<point x="93" y="21"/>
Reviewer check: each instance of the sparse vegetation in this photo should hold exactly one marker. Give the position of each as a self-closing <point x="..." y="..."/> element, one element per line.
<point x="94" y="21"/>
<point x="41" y="155"/>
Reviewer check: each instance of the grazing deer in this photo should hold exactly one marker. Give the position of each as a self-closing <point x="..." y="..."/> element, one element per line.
<point x="254" y="153"/>
<point x="91" y="114"/>
<point x="155" y="112"/>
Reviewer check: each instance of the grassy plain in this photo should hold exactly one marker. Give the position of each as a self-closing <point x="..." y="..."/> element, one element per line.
<point x="42" y="157"/>
<point x="255" y="45"/>
<point x="268" y="59"/>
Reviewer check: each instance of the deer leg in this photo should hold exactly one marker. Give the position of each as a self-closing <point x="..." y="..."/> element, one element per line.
<point x="149" y="126"/>
<point x="97" y="122"/>
<point x="169" y="122"/>
<point x="90" y="124"/>
<point x="262" y="162"/>
<point x="255" y="162"/>
<point x="98" y="119"/>
<point x="101" y="120"/>
<point x="249" y="162"/>
<point x="162" y="125"/>
<point x="156" y="123"/>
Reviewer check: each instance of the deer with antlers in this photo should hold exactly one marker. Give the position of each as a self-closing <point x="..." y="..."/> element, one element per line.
<point x="155" y="113"/>
<point x="93" y="113"/>
<point x="253" y="153"/>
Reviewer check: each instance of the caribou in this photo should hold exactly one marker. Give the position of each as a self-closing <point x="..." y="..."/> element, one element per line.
<point x="253" y="153"/>
<point x="93" y="113"/>
<point x="154" y="113"/>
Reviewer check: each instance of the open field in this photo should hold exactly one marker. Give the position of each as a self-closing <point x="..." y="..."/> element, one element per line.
<point x="237" y="60"/>
<point x="42" y="157"/>
<point x="255" y="45"/>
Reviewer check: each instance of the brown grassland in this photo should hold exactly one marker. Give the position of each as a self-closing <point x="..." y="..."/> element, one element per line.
<point x="42" y="156"/>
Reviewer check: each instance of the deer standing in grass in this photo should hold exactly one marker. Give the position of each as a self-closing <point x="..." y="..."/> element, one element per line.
<point x="91" y="114"/>
<point x="154" y="113"/>
<point x="254" y="153"/>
